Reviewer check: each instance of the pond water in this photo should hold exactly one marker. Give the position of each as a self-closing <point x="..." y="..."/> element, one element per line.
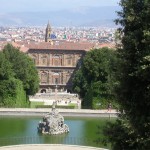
<point x="23" y="130"/>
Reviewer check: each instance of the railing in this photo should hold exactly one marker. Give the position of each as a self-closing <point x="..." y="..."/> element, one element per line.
<point x="48" y="139"/>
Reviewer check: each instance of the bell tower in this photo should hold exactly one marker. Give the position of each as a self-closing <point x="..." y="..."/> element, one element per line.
<point x="48" y="33"/>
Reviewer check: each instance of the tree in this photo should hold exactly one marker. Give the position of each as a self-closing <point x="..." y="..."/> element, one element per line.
<point x="6" y="71"/>
<point x="79" y="83"/>
<point x="94" y="80"/>
<point x="12" y="93"/>
<point x="11" y="90"/>
<point x="18" y="77"/>
<point x="133" y="91"/>
<point x="23" y="68"/>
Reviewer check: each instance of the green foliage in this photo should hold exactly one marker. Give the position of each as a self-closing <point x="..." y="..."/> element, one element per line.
<point x="123" y="135"/>
<point x="79" y="83"/>
<point x="18" y="78"/>
<point x="95" y="79"/>
<point x="12" y="93"/>
<point x="57" y="106"/>
<point x="99" y="103"/>
<point x="21" y="97"/>
<point x="133" y="90"/>
<point x="23" y="68"/>
<point x="87" y="100"/>
<point x="66" y="107"/>
<point x="96" y="104"/>
<point x="5" y="68"/>
<point x="35" y="104"/>
<point x="102" y="103"/>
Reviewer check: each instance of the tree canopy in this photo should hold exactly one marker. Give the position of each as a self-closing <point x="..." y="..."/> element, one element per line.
<point x="24" y="68"/>
<point x="94" y="80"/>
<point x="6" y="71"/>
<point x="18" y="77"/>
<point x="133" y="90"/>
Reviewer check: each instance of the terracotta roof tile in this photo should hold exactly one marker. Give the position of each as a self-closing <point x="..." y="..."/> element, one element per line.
<point x="58" y="46"/>
<point x="63" y="45"/>
<point x="20" y="46"/>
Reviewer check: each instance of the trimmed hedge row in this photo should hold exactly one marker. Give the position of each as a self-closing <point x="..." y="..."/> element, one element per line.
<point x="50" y="106"/>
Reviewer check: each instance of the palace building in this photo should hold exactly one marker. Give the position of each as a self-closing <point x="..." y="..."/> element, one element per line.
<point x="56" y="64"/>
<point x="56" y="61"/>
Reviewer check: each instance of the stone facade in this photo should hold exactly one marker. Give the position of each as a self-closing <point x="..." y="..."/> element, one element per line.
<point x="56" y="67"/>
<point x="57" y="61"/>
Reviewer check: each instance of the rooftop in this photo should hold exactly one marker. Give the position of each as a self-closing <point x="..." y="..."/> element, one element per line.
<point x="60" y="45"/>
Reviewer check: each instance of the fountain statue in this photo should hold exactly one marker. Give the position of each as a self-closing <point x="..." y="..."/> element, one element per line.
<point x="53" y="123"/>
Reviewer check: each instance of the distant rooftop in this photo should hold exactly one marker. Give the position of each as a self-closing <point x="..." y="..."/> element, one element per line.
<point x="62" y="45"/>
<point x="57" y="45"/>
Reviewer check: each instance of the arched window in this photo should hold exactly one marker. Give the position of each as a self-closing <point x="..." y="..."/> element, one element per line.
<point x="43" y="91"/>
<point x="69" y="60"/>
<point x="44" y="77"/>
<point x="44" y="60"/>
<point x="56" y="60"/>
<point x="56" y="78"/>
<point x="34" y="57"/>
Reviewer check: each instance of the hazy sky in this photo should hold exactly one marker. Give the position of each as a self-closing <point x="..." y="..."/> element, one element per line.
<point x="54" y="5"/>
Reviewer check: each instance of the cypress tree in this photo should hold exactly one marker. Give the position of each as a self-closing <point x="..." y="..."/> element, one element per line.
<point x="132" y="130"/>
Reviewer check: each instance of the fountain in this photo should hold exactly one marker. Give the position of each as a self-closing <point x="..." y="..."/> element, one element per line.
<point x="53" y="122"/>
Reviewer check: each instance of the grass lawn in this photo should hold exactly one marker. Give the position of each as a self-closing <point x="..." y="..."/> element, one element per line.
<point x="73" y="105"/>
<point x="34" y="104"/>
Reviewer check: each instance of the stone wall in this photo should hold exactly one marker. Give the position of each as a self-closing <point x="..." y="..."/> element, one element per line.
<point x="56" y="67"/>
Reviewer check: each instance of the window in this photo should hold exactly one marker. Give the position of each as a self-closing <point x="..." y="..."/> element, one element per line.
<point x="56" y="81"/>
<point x="44" y="60"/>
<point x="56" y="60"/>
<point x="34" y="59"/>
<point x="56" y="78"/>
<point x="44" y="78"/>
<point x="69" y="60"/>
